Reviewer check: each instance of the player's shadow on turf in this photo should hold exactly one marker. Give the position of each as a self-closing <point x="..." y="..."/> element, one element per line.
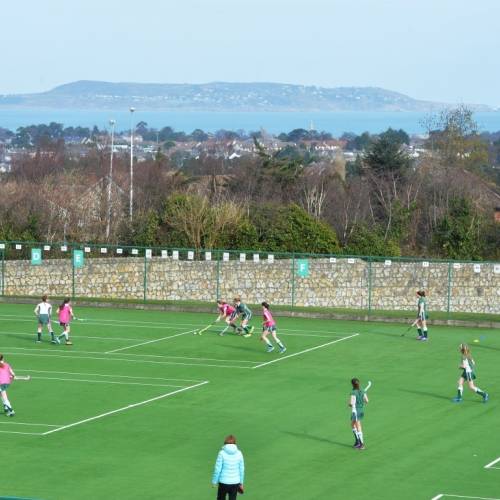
<point x="486" y="347"/>
<point x="315" y="438"/>
<point x="423" y="393"/>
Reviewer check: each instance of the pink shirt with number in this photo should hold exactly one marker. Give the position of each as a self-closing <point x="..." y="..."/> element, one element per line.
<point x="5" y="376"/>
<point x="268" y="318"/>
<point x="65" y="314"/>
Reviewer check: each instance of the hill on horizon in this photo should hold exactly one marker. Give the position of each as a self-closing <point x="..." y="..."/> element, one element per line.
<point x="222" y="96"/>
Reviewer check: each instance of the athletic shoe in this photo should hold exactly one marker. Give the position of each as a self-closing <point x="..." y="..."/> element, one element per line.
<point x="420" y="337"/>
<point x="221" y="334"/>
<point x="53" y="341"/>
<point x="456" y="399"/>
<point x="247" y="335"/>
<point x="486" y="396"/>
<point x="282" y="350"/>
<point x="424" y="339"/>
<point x="270" y="348"/>
<point x="11" y="413"/>
<point x="361" y="447"/>
<point x="252" y="328"/>
<point x="38" y="341"/>
<point x="58" y="340"/>
<point x="68" y="342"/>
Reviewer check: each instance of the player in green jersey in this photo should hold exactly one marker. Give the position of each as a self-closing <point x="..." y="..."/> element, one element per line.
<point x="422" y="316"/>
<point x="357" y="403"/>
<point x="467" y="366"/>
<point x="243" y="312"/>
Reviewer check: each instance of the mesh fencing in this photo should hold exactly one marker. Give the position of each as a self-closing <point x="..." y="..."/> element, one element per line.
<point x="372" y="284"/>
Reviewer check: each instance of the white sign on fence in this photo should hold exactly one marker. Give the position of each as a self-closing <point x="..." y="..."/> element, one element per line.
<point x="256" y="257"/>
<point x="149" y="253"/>
<point x="64" y="248"/>
<point x="388" y="262"/>
<point x="119" y="251"/>
<point x="104" y="250"/>
<point x="208" y="255"/>
<point x="496" y="268"/>
<point x="175" y="254"/>
<point x="225" y="256"/>
<point x="333" y="260"/>
<point x="18" y="247"/>
<point x="2" y="245"/>
<point x="243" y="257"/>
<point x="477" y="268"/>
<point x="270" y="258"/>
<point x="46" y="248"/>
<point x="425" y="264"/>
<point x="86" y="249"/>
<point x="135" y="251"/>
<point x="456" y="265"/>
<point x="190" y="255"/>
<point x="350" y="261"/>
<point x="164" y="254"/>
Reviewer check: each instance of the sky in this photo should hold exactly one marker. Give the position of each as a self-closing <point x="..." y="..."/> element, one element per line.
<point x="441" y="50"/>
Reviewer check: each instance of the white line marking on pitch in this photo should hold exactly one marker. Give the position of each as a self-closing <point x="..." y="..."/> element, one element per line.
<point x="124" y="408"/>
<point x="147" y="356"/>
<point x="27" y="423"/>
<point x="491" y="464"/>
<point x="107" y="375"/>
<point x="304" y="351"/>
<point x="103" y="381"/>
<point x="31" y="334"/>
<point x="446" y="495"/>
<point x="149" y="342"/>
<point x="26" y="433"/>
<point x="95" y="358"/>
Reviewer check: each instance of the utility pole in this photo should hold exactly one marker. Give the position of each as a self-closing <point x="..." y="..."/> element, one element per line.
<point x="131" y="210"/>
<point x="110" y="179"/>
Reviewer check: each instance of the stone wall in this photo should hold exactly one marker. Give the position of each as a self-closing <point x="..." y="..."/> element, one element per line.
<point x="340" y="283"/>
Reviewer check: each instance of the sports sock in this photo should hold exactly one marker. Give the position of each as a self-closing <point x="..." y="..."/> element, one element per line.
<point x="52" y="336"/>
<point x="268" y="342"/>
<point x="425" y="332"/>
<point x="479" y="391"/>
<point x="355" y="432"/>
<point x="419" y="331"/>
<point x="460" y="392"/>
<point x="360" y="434"/>
<point x="39" y="335"/>
<point x="280" y="343"/>
<point x="246" y="328"/>
<point x="6" y="403"/>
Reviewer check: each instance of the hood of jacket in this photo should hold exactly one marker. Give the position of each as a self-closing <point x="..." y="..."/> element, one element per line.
<point x="230" y="449"/>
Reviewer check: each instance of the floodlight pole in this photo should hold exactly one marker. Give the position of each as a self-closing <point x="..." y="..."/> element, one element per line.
<point x="131" y="163"/>
<point x="110" y="179"/>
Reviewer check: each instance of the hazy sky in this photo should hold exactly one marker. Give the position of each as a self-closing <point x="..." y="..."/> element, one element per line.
<point x="446" y="50"/>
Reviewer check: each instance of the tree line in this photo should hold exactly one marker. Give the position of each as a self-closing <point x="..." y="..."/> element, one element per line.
<point x="385" y="202"/>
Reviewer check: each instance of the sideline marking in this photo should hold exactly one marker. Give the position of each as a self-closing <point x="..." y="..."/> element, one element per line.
<point x="491" y="464"/>
<point x="95" y="358"/>
<point x="107" y="375"/>
<point x="149" y="342"/>
<point x="124" y="408"/>
<point x="445" y="495"/>
<point x="103" y="381"/>
<point x="27" y="423"/>
<point x="304" y="351"/>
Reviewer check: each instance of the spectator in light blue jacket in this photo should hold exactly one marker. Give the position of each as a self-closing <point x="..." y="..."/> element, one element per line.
<point x="229" y="471"/>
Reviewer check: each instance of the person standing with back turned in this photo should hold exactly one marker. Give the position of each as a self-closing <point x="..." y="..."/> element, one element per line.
<point x="229" y="471"/>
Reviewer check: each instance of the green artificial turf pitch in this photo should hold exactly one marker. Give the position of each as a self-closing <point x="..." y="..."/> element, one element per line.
<point x="138" y="408"/>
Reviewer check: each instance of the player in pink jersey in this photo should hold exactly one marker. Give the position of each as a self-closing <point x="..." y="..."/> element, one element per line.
<point x="65" y="313"/>
<point x="6" y="377"/>
<point x="226" y="312"/>
<point x="269" y="327"/>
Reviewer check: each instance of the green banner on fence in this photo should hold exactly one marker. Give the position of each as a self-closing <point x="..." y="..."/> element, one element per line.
<point x="36" y="256"/>
<point x="78" y="260"/>
<point x="302" y="268"/>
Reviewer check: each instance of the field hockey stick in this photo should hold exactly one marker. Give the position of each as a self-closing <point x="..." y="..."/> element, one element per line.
<point x="22" y="377"/>
<point x="409" y="328"/>
<point x="79" y="319"/>
<point x="199" y="332"/>
<point x="368" y="386"/>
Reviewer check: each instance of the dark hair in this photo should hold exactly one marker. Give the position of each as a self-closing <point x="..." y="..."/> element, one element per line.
<point x="44" y="298"/>
<point x="64" y="302"/>
<point x="1" y="358"/>
<point x="265" y="304"/>
<point x="230" y="439"/>
<point x="421" y="293"/>
<point x="355" y="383"/>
